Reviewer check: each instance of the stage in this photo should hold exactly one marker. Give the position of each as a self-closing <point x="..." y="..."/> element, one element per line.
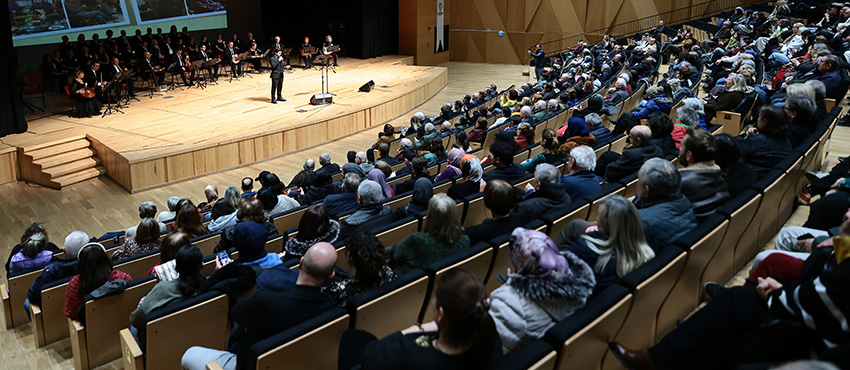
<point x="189" y="133"/>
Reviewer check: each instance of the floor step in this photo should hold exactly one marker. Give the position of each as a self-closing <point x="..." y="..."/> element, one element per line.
<point x="53" y="150"/>
<point x="63" y="158"/>
<point x="53" y="139"/>
<point x="71" y="167"/>
<point x="77" y="177"/>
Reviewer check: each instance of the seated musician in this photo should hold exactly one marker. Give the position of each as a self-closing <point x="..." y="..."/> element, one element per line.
<point x="86" y="103"/>
<point x="113" y="70"/>
<point x="182" y="67"/>
<point x="149" y="69"/>
<point x="231" y="56"/>
<point x="329" y="41"/>
<point x="204" y="55"/>
<point x="256" y="61"/>
<point x="307" y="57"/>
<point x="92" y="77"/>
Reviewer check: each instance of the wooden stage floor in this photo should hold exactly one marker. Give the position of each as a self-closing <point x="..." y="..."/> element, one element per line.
<point x="189" y="133"/>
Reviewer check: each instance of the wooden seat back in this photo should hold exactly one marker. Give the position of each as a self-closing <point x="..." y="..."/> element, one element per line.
<point x="291" y="345"/>
<point x="391" y="307"/>
<point x="398" y="233"/>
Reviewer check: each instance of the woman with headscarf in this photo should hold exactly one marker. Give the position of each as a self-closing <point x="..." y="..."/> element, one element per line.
<point x="544" y="287"/>
<point x="423" y="190"/>
<point x="575" y="133"/>
<point x="471" y="182"/>
<point x="594" y="105"/>
<point x="455" y="159"/>
<point x="377" y="175"/>
<point x="355" y="169"/>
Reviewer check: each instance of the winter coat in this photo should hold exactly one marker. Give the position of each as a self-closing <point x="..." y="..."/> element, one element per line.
<point x="547" y="198"/>
<point x="525" y="306"/>
<point x="704" y="186"/>
<point x="666" y="220"/>
<point x="657" y="103"/>
<point x="296" y="247"/>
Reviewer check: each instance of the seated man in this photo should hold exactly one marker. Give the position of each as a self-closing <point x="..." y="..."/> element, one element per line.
<point x="327" y="168"/>
<point x="298" y="179"/>
<point x="384" y="153"/>
<point x="598" y="130"/>
<point x="430" y="134"/>
<point x="345" y="202"/>
<point x="268" y="313"/>
<point x="662" y="128"/>
<point x="499" y="197"/>
<point x="547" y="195"/>
<point x="371" y="211"/>
<point x="419" y="166"/>
<point x="580" y="180"/>
<point x="502" y="157"/>
<point x="702" y="180"/>
<point x="619" y="166"/>
<point x="248" y="188"/>
<point x="59" y="268"/>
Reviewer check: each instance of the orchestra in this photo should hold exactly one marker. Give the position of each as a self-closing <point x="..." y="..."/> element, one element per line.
<point x="91" y="68"/>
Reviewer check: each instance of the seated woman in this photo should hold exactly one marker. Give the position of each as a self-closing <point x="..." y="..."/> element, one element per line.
<point x="462" y="335"/>
<point x="31" y="255"/>
<point x="436" y="152"/>
<point x="736" y="90"/>
<point x="95" y="270"/>
<point x="543" y="288"/>
<point x="423" y="190"/>
<point x="315" y="226"/>
<point x="146" y="239"/>
<point x="479" y="133"/>
<point x="166" y="268"/>
<point x="86" y="106"/>
<point x="470" y="183"/>
<point x="462" y="142"/>
<point x="525" y="136"/>
<point x="455" y="160"/>
<point x="617" y="246"/>
<point x="188" y="221"/>
<point x="442" y="236"/>
<point x="34" y="228"/>
<point x="551" y="151"/>
<point x="765" y="145"/>
<point x="225" y="207"/>
<point x="378" y="176"/>
<point x="737" y="173"/>
<point x="800" y="109"/>
<point x="367" y="256"/>
<point x="575" y="133"/>
<point x="188" y="262"/>
<point x="386" y="136"/>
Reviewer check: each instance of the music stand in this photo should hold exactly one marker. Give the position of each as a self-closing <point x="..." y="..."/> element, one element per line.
<point x="332" y="53"/>
<point x="308" y="62"/>
<point x="208" y="69"/>
<point x="285" y="54"/>
<point x="199" y="81"/>
<point x="124" y="77"/>
<point x="243" y="57"/>
<point x="173" y="85"/>
<point x="109" y="107"/>
<point x="155" y="84"/>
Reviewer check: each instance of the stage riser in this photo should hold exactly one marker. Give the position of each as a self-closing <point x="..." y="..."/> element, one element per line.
<point x="169" y="168"/>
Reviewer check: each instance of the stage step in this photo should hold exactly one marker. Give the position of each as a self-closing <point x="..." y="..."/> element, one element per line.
<point x="60" y="163"/>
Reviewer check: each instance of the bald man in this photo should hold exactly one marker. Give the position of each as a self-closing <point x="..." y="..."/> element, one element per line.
<point x="621" y="166"/>
<point x="268" y="313"/>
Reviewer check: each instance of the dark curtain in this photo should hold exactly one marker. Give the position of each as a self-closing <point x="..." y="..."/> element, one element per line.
<point x="364" y="28"/>
<point x="11" y="106"/>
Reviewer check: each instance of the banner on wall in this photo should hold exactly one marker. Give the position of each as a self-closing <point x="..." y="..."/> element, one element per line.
<point x="441" y="36"/>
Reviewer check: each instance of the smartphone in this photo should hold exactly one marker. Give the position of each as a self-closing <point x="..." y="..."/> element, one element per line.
<point x="224" y="258"/>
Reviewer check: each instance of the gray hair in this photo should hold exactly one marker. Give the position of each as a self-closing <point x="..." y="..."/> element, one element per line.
<point x="525" y="110"/>
<point x="540" y="105"/>
<point x="553" y="104"/>
<point x="592" y="120"/>
<point x="362" y="156"/>
<point x="688" y="116"/>
<point x="147" y="209"/>
<point x="695" y="104"/>
<point x="370" y="192"/>
<point x="172" y="203"/>
<point x="661" y="176"/>
<point x="819" y="87"/>
<point x="429" y="127"/>
<point x="799" y="103"/>
<point x="584" y="156"/>
<point x="819" y="46"/>
<point x="622" y="82"/>
<point x="407" y="143"/>
<point x="324" y="159"/>
<point x="739" y="83"/>
<point x="447" y="125"/>
<point x="73" y="242"/>
<point x="547" y="174"/>
<point x="309" y="164"/>
<point x="350" y="183"/>
<point x="832" y="60"/>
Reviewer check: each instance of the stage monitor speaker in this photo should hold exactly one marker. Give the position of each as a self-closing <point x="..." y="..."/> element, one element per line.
<point x="367" y="87"/>
<point x="320" y="99"/>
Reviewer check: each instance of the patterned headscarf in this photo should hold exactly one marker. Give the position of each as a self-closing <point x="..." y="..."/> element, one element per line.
<point x="533" y="253"/>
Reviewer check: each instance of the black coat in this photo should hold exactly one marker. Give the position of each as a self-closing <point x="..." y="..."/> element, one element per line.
<point x="630" y="161"/>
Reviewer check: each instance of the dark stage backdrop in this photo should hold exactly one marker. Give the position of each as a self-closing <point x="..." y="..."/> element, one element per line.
<point x="364" y="28"/>
<point x="11" y="109"/>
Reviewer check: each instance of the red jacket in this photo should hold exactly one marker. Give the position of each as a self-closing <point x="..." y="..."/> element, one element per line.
<point x="73" y="298"/>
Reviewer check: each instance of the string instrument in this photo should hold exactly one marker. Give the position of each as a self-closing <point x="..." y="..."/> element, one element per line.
<point x="88" y="93"/>
<point x="236" y="59"/>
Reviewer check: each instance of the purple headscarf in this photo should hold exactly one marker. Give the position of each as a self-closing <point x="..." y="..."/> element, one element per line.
<point x="377" y="175"/>
<point x="534" y="254"/>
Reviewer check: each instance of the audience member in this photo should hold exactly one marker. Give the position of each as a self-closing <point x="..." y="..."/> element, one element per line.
<point x="370" y="211"/>
<point x="145" y="240"/>
<point x="188" y="262"/>
<point x="502" y="157"/>
<point x="551" y="151"/>
<point x="455" y="161"/>
<point x="169" y="215"/>
<point x="662" y="128"/>
<point x="226" y="205"/>
<point x="95" y="270"/>
<point x="620" y="166"/>
<point x="328" y="168"/>
<point x="59" y="268"/>
<point x="166" y="269"/>
<point x="32" y="254"/>
<point x="34" y="228"/>
<point x="248" y="188"/>
<point x="314" y="227"/>
<point x="580" y="181"/>
<point x="368" y="257"/>
<point x="763" y="146"/>
<point x="274" y="202"/>
<point x="702" y="179"/>
<point x="470" y="182"/>
<point x="188" y="221"/>
<point x="344" y="202"/>
<point x="500" y="198"/>
<point x="547" y="195"/>
<point x="249" y="238"/>
<point x="441" y="236"/>
<point x="601" y="133"/>
<point x="423" y="190"/>
<point x="146" y="210"/>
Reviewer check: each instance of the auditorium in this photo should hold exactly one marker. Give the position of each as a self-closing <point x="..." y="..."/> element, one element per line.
<point x="425" y="184"/>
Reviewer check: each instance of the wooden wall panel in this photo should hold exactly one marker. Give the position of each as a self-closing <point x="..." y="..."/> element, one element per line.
<point x="527" y="22"/>
<point x="9" y="166"/>
<point x="417" y="19"/>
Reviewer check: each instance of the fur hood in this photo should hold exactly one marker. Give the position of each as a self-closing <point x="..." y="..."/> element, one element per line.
<point x="296" y="247"/>
<point x="578" y="283"/>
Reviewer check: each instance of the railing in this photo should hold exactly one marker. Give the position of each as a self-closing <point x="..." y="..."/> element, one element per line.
<point x="694" y="11"/>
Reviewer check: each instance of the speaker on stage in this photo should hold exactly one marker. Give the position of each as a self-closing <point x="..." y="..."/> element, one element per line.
<point x="367" y="87"/>
<point x="320" y="99"/>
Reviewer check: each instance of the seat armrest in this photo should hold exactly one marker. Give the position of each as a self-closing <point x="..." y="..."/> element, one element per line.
<point x="7" y="305"/>
<point x="131" y="353"/>
<point x="213" y="365"/>
<point x="37" y="323"/>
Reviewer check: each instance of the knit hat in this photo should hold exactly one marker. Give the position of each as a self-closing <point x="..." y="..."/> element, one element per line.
<point x="249" y="238"/>
<point x="533" y="253"/>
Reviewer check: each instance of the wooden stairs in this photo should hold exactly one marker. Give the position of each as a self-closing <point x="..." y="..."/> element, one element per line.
<point x="60" y="163"/>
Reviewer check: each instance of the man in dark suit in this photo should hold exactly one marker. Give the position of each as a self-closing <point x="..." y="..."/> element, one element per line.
<point x="148" y="65"/>
<point x="229" y="53"/>
<point x="615" y="167"/>
<point x="277" y="64"/>
<point x="109" y="73"/>
<point x="180" y="67"/>
<point x="204" y="55"/>
<point x="268" y="313"/>
<point x="92" y="77"/>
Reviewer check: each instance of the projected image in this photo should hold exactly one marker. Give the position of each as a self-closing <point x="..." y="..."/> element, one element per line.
<point x="205" y="6"/>
<point x="86" y="13"/>
<point x="152" y="10"/>
<point x="37" y="16"/>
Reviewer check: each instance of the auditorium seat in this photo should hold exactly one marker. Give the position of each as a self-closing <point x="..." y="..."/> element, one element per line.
<point x="390" y="307"/>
